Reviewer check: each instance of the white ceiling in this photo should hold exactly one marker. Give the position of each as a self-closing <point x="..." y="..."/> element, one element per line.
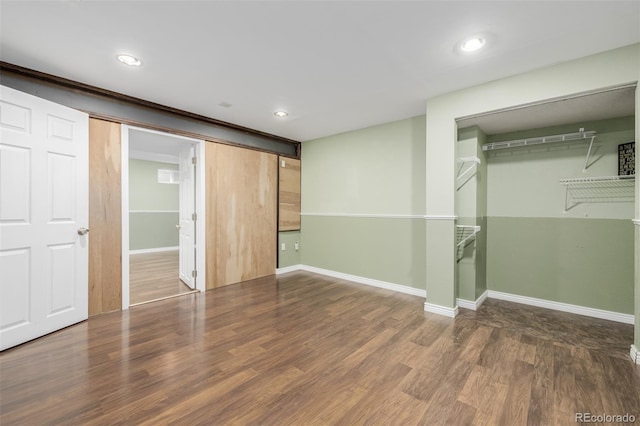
<point x="333" y="65"/>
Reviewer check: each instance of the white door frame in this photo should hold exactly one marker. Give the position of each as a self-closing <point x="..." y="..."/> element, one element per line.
<point x="200" y="208"/>
<point x="186" y="222"/>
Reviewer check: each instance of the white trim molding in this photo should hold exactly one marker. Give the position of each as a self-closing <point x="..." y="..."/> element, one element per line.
<point x="384" y="215"/>
<point x="440" y="217"/>
<point x="400" y="288"/>
<point x="473" y="305"/>
<point x="287" y="269"/>
<point x="124" y="205"/>
<point x="564" y="307"/>
<point x="374" y="215"/>
<point x="636" y="221"/>
<point x="441" y="310"/>
<point x="154" y="250"/>
<point x="635" y="354"/>
<point x="154" y="211"/>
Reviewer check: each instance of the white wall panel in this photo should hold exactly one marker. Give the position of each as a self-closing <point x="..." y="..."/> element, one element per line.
<point x="15" y="117"/>
<point x="15" y="290"/>
<point x="62" y="181"/>
<point x="62" y="267"/>
<point x="15" y="172"/>
<point x="60" y="128"/>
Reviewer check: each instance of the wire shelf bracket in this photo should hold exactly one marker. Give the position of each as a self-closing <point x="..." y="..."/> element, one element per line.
<point x="467" y="168"/>
<point x="465" y="235"/>
<point x="600" y="189"/>
<point x="586" y="161"/>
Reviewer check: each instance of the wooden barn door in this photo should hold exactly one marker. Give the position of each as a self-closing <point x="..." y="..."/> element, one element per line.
<point x="241" y="214"/>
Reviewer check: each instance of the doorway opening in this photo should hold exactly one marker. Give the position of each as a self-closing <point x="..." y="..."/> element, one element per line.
<point x="162" y="216"/>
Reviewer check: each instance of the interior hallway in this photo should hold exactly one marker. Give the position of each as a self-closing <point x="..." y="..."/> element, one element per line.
<point x="154" y="276"/>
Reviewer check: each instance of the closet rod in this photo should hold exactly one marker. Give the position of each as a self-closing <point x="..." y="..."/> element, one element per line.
<point x="540" y="140"/>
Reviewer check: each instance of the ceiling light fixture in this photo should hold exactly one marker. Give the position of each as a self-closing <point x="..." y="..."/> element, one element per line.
<point x="129" y="60"/>
<point x="473" y="44"/>
<point x="281" y="114"/>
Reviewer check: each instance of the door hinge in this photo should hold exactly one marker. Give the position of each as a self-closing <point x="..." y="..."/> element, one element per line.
<point x="194" y="273"/>
<point x="194" y="160"/>
<point x="194" y="216"/>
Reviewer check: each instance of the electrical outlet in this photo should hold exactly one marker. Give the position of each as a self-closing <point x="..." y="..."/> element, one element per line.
<point x="283" y="247"/>
<point x="296" y="246"/>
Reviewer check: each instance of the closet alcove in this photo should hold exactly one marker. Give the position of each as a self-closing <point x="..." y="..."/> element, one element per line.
<point x="542" y="212"/>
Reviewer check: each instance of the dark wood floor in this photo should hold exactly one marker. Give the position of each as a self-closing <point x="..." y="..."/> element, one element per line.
<point x="304" y="349"/>
<point x="154" y="276"/>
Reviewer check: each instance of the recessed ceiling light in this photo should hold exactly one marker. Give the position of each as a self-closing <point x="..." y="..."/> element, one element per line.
<point x="473" y="44"/>
<point x="281" y="114"/>
<point x="132" y="61"/>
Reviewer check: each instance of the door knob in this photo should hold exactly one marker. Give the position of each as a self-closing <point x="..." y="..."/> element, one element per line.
<point x="82" y="231"/>
<point x="178" y="227"/>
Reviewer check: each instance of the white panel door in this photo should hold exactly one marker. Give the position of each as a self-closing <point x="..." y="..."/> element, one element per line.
<point x="187" y="211"/>
<point x="43" y="210"/>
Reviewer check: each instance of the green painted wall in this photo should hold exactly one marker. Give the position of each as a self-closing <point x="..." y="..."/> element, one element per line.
<point x="481" y="219"/>
<point x="637" y="284"/>
<point x="385" y="249"/>
<point x="481" y="257"/>
<point x="155" y="226"/>
<point x="637" y="217"/>
<point x="585" y="262"/>
<point x="375" y="171"/>
<point x="443" y="231"/>
<point x="290" y="256"/>
<point x="145" y="193"/>
<point x="152" y="230"/>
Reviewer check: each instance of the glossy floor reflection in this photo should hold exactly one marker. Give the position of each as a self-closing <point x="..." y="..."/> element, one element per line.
<point x="306" y="349"/>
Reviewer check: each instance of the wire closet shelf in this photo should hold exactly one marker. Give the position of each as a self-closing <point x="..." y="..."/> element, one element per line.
<point x="540" y="140"/>
<point x="581" y="135"/>
<point x="598" y="189"/>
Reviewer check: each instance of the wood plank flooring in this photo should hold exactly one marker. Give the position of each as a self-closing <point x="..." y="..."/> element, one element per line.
<point x="153" y="276"/>
<point x="302" y="349"/>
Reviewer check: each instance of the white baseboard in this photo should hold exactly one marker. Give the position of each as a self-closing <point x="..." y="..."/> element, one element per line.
<point x="466" y="304"/>
<point x="635" y="354"/>
<point x="288" y="269"/>
<point x="441" y="310"/>
<point x="154" y="250"/>
<point x="564" y="307"/>
<point x="367" y="281"/>
<point x="473" y="305"/>
<point x="436" y="309"/>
